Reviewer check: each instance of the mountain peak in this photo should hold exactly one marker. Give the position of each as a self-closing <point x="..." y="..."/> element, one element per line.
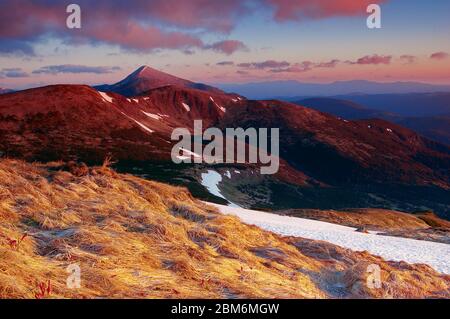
<point x="142" y="68"/>
<point x="146" y="72"/>
<point x="146" y="78"/>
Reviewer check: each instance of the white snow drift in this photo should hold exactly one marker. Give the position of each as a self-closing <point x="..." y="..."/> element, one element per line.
<point x="151" y="115"/>
<point x="211" y="180"/>
<point x="437" y="255"/>
<point x="186" y="107"/>
<point x="106" y="97"/>
<point x="138" y="123"/>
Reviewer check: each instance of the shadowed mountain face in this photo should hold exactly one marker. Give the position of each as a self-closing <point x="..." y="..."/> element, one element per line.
<point x="326" y="162"/>
<point x="338" y="151"/>
<point x="435" y="127"/>
<point x="3" y="91"/>
<point x="146" y="78"/>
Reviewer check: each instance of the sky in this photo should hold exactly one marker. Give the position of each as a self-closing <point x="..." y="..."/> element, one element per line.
<point x="233" y="41"/>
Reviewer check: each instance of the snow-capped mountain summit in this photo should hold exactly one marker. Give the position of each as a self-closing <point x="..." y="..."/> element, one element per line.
<point x="146" y="78"/>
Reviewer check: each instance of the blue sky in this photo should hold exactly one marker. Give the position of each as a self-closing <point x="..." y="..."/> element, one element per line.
<point x="207" y="33"/>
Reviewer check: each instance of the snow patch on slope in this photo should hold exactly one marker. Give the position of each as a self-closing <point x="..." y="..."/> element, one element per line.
<point x="437" y="255"/>
<point x="188" y="152"/>
<point x="221" y="108"/>
<point x="138" y="123"/>
<point x="186" y="107"/>
<point x="217" y="105"/>
<point x="106" y="97"/>
<point x="144" y="127"/>
<point x="151" y="115"/>
<point x="211" y="180"/>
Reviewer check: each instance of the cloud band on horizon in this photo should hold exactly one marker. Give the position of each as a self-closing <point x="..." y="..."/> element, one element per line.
<point x="76" y="69"/>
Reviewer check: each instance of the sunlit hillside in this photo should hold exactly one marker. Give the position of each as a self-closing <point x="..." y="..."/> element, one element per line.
<point x="134" y="238"/>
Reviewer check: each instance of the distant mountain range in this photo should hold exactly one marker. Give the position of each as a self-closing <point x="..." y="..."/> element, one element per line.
<point x="422" y="107"/>
<point x="427" y="113"/>
<point x="289" y="89"/>
<point x="412" y="104"/>
<point x="325" y="161"/>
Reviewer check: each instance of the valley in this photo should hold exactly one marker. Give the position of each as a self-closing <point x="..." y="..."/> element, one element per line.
<point x="325" y="162"/>
<point x="70" y="151"/>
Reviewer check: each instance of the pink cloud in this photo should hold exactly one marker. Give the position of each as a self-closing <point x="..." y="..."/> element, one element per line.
<point x="228" y="46"/>
<point x="225" y="63"/>
<point x="22" y="17"/>
<point x="265" y="64"/>
<point x="155" y="24"/>
<point x="131" y="24"/>
<point x="329" y="64"/>
<point x="286" y="10"/>
<point x="439" y="56"/>
<point x="286" y="67"/>
<point x="212" y="15"/>
<point x="372" y="59"/>
<point x="136" y="37"/>
<point x="296" y="68"/>
<point x="408" y="59"/>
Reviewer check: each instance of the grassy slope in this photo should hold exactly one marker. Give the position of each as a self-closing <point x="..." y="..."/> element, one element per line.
<point x="140" y="239"/>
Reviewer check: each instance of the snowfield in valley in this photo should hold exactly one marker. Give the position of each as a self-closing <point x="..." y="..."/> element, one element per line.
<point x="437" y="255"/>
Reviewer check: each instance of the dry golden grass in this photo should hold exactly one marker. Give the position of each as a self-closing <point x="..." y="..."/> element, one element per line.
<point x="372" y="218"/>
<point x="134" y="238"/>
<point x="432" y="220"/>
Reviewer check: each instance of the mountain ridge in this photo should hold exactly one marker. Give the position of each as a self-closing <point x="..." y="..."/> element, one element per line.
<point x="433" y="126"/>
<point x="322" y="157"/>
